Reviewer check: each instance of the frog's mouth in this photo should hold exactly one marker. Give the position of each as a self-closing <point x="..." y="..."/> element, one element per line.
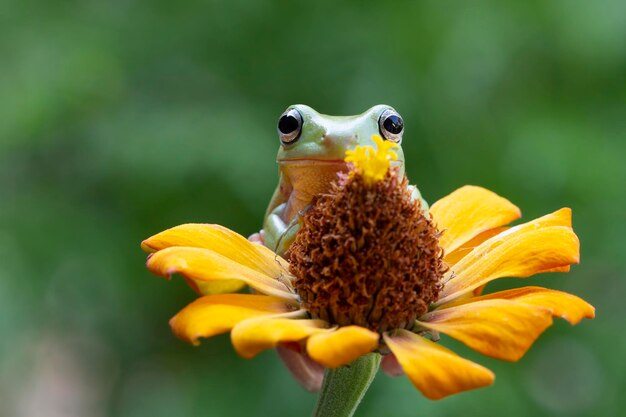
<point x="310" y="161"/>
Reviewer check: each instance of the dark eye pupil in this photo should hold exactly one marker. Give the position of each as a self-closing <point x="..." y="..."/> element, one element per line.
<point x="288" y="124"/>
<point x="393" y="124"/>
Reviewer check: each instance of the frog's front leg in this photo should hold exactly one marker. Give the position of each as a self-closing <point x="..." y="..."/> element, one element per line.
<point x="277" y="234"/>
<point x="417" y="196"/>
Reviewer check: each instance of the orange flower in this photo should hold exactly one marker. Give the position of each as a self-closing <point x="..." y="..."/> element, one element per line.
<point x="217" y="262"/>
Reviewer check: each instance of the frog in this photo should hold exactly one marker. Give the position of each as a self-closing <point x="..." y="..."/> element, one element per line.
<point x="311" y="154"/>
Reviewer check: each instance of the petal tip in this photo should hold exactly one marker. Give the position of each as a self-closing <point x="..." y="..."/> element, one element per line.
<point x="189" y="338"/>
<point x="487" y="379"/>
<point x="588" y="313"/>
<point x="591" y="314"/>
<point x="150" y="264"/>
<point x="145" y="246"/>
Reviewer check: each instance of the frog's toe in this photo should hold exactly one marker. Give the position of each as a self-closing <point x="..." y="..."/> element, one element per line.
<point x="257" y="238"/>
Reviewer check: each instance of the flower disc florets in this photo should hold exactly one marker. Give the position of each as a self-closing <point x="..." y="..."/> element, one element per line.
<point x="367" y="255"/>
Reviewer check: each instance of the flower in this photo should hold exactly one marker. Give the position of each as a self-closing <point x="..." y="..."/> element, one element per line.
<point x="473" y="249"/>
<point x="366" y="254"/>
<point x="372" y="163"/>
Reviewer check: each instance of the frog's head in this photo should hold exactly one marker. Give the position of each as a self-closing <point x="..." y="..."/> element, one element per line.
<point x="310" y="138"/>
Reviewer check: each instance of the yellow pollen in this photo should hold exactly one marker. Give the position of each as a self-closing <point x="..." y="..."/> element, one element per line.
<point x="371" y="163"/>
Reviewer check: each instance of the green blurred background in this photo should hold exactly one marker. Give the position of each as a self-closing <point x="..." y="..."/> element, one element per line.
<point x="119" y="119"/>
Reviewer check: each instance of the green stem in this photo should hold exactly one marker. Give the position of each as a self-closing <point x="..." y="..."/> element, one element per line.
<point x="344" y="388"/>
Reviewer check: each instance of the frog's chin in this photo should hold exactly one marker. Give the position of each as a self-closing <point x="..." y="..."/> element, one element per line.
<point x="306" y="178"/>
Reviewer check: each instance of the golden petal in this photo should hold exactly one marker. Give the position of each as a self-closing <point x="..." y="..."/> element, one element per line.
<point x="524" y="250"/>
<point x="468" y="296"/>
<point x="565" y="268"/>
<point x="463" y="250"/>
<point x="215" y="287"/>
<point x="215" y="314"/>
<point x="469" y="211"/>
<point x="221" y="240"/>
<point x="342" y="346"/>
<point x="561" y="304"/>
<point x="562" y="217"/>
<point x="502" y="329"/>
<point x="434" y="370"/>
<point x="250" y="337"/>
<point x="206" y="265"/>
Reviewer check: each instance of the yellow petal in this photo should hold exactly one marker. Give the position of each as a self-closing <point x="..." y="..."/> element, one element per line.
<point x="562" y="217"/>
<point x="468" y="211"/>
<point x="521" y="251"/>
<point x="251" y="337"/>
<point x="434" y="370"/>
<point x="207" y="265"/>
<point x="215" y="287"/>
<point x="342" y="346"/>
<point x="479" y="290"/>
<point x="221" y="240"/>
<point x="459" y="253"/>
<point x="501" y="329"/>
<point x="565" y="268"/>
<point x="561" y="304"/>
<point x="215" y="314"/>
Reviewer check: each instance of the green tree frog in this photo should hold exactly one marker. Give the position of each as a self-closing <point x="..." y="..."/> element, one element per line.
<point x="311" y="153"/>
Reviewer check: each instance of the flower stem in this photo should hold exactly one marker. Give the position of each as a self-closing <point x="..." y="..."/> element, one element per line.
<point x="343" y="388"/>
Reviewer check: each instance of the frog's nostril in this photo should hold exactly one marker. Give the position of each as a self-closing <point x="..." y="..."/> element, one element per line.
<point x="347" y="141"/>
<point x="328" y="140"/>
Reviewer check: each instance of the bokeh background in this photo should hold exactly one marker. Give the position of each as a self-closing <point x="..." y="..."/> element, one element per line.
<point x="119" y="119"/>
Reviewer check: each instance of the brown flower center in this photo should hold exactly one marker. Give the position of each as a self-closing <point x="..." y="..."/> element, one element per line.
<point x="367" y="255"/>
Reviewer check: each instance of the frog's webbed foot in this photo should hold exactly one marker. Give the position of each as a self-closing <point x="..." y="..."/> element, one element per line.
<point x="289" y="235"/>
<point x="274" y="227"/>
<point x="258" y="237"/>
<point x="278" y="235"/>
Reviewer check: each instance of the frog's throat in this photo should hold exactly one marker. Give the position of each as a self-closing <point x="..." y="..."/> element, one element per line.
<point x="307" y="178"/>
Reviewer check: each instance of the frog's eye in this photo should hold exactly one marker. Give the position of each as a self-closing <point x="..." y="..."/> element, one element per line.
<point x="290" y="126"/>
<point x="391" y="125"/>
